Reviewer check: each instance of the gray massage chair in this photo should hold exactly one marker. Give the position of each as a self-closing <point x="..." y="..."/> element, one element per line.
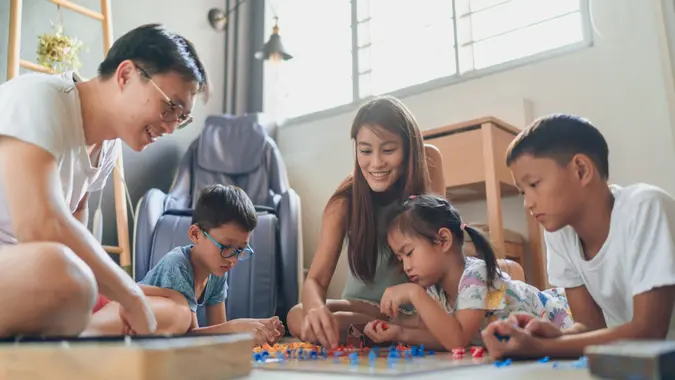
<point x="232" y="151"/>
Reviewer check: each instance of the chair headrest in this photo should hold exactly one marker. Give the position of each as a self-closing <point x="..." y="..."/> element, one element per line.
<point x="231" y="145"/>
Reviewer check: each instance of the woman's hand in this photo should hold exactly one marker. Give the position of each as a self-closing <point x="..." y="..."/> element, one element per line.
<point x="320" y="326"/>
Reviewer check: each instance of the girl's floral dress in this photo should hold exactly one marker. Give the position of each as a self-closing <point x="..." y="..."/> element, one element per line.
<point x="505" y="297"/>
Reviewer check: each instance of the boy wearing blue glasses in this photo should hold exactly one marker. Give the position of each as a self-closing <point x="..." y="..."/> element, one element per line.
<point x="194" y="275"/>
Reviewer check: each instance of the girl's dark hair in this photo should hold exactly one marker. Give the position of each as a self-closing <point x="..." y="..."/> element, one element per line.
<point x="390" y="114"/>
<point x="423" y="215"/>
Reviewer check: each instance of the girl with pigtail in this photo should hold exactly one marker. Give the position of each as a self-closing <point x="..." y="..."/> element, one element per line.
<point x="455" y="296"/>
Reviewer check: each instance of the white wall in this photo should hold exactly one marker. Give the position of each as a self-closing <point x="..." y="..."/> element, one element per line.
<point x="155" y="166"/>
<point x="619" y="83"/>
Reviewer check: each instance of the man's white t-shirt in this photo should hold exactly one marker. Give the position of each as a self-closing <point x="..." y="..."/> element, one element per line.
<point x="44" y="110"/>
<point x="638" y="255"/>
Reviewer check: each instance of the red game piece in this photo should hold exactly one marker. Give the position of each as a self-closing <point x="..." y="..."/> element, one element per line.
<point x="458" y="353"/>
<point x="477" y="352"/>
<point x="384" y="326"/>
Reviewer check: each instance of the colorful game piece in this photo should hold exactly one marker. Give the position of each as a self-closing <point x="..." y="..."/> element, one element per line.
<point x="502" y="338"/>
<point x="354" y="358"/>
<point x="477" y="351"/>
<point x="458" y="353"/>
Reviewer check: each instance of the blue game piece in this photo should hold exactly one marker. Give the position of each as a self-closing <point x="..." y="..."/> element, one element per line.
<point x="372" y="357"/>
<point x="431" y="353"/>
<point x="502" y="338"/>
<point x="545" y="359"/>
<point x="582" y="363"/>
<point x="257" y="357"/>
<point x="265" y="354"/>
<point x="354" y="358"/>
<point x="414" y="351"/>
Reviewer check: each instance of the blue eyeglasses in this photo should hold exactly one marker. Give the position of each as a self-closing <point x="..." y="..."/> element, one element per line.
<point x="227" y="251"/>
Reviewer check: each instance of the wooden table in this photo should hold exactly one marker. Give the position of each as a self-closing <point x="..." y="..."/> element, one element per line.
<point x="524" y="371"/>
<point x="474" y="168"/>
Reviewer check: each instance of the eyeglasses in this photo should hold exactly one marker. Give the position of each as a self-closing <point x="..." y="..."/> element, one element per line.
<point x="228" y="251"/>
<point x="172" y="112"/>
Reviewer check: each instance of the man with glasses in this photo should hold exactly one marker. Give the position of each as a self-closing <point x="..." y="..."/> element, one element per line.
<point x="59" y="140"/>
<point x="222" y="223"/>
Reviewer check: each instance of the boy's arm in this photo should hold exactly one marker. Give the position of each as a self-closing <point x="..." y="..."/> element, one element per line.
<point x="585" y="311"/>
<point x="651" y="320"/>
<point x="215" y="314"/>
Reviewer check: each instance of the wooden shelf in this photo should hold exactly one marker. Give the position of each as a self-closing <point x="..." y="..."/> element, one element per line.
<point x="474" y="167"/>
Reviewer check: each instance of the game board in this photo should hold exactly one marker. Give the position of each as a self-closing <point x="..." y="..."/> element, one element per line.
<point x="216" y="356"/>
<point x="392" y="360"/>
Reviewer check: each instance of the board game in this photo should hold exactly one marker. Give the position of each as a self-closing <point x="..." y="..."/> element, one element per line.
<point x="216" y="356"/>
<point x="390" y="360"/>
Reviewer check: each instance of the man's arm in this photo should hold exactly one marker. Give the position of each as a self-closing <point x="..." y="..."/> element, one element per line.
<point x="82" y="211"/>
<point x="586" y="313"/>
<point x="651" y="320"/>
<point x="39" y="213"/>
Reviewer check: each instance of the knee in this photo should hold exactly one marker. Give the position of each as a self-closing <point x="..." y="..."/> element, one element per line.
<point x="294" y="320"/>
<point x="72" y="286"/>
<point x="182" y="319"/>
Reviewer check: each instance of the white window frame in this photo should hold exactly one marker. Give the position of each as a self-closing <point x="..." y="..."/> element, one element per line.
<point x="458" y="77"/>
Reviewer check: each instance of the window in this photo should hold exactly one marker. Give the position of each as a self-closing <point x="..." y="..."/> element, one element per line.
<point x="347" y="50"/>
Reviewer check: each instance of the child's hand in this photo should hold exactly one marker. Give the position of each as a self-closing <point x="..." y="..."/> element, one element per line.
<point x="395" y="296"/>
<point x="263" y="330"/>
<point x="520" y="342"/>
<point x="538" y="327"/>
<point x="380" y="331"/>
<point x="276" y="322"/>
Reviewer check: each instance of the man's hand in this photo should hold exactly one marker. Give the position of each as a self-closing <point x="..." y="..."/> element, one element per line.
<point x="137" y="317"/>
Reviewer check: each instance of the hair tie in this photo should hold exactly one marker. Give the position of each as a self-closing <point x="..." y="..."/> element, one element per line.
<point x="463" y="226"/>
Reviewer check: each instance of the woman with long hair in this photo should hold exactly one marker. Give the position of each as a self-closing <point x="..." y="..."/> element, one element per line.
<point x="392" y="163"/>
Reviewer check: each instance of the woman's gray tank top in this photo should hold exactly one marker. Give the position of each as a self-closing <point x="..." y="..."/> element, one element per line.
<point x="386" y="274"/>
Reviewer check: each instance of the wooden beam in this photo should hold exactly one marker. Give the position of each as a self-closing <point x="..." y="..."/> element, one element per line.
<point x="14" y="45"/>
<point x="107" y="26"/>
<point x="79" y="9"/>
<point x="112" y="250"/>
<point x="35" y="67"/>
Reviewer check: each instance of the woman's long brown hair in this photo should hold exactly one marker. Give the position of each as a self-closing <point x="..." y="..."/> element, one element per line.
<point x="363" y="237"/>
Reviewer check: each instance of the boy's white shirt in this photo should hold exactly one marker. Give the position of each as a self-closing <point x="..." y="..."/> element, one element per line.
<point x="638" y="255"/>
<point x="44" y="110"/>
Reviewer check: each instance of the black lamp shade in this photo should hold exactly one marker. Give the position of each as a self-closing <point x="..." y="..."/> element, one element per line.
<point x="273" y="49"/>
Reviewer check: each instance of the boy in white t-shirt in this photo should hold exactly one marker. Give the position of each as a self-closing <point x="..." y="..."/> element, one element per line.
<point x="612" y="248"/>
<point x="59" y="141"/>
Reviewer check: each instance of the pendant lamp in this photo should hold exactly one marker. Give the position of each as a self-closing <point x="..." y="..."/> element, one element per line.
<point x="274" y="50"/>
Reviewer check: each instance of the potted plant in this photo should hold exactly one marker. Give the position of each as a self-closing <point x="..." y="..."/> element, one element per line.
<point x="59" y="52"/>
